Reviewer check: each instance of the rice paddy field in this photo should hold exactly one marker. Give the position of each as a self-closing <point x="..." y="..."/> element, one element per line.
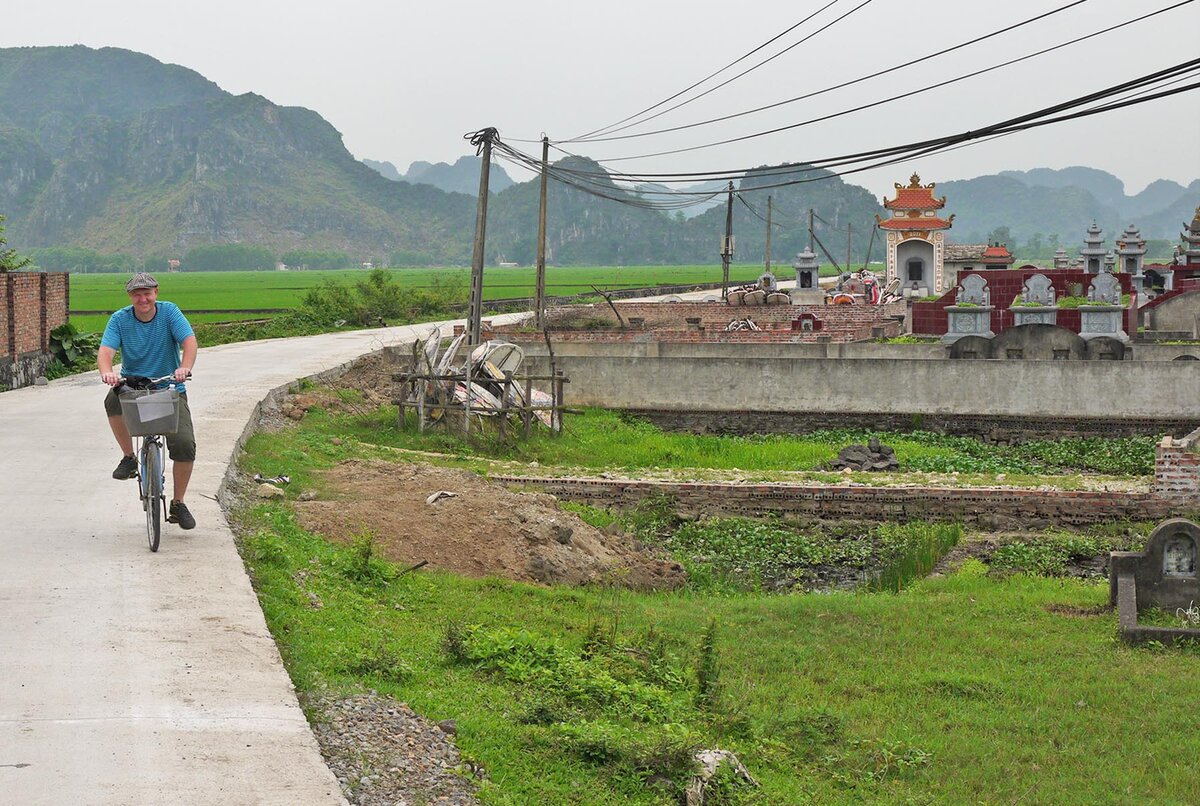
<point x="230" y="291"/>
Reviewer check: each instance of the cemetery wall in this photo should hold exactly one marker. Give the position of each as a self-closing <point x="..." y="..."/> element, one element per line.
<point x="32" y="304"/>
<point x="881" y="385"/>
<point x="992" y="506"/>
<point x="1180" y="313"/>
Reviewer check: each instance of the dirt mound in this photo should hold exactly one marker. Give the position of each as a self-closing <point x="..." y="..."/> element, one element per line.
<point x="483" y="529"/>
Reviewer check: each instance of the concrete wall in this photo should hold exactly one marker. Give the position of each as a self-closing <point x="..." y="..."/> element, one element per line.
<point x="31" y="305"/>
<point x="621" y="378"/>
<point x="1179" y="314"/>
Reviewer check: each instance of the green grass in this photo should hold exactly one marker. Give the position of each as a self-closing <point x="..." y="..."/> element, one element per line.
<point x="601" y="439"/>
<point x="277" y="289"/>
<point x="960" y="690"/>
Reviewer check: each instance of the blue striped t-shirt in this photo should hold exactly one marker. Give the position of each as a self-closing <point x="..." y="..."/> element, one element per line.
<point x="149" y="349"/>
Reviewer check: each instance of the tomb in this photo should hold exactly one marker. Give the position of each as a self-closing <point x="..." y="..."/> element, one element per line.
<point x="1163" y="576"/>
<point x="1036" y="303"/>
<point x="915" y="239"/>
<point x="1131" y="252"/>
<point x="971" y="313"/>
<point x="808" y="280"/>
<point x="1103" y="313"/>
<point x="1093" y="250"/>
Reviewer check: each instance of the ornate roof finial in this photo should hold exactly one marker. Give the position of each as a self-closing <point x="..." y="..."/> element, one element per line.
<point x="914" y="181"/>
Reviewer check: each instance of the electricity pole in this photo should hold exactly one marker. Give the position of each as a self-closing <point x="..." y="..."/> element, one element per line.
<point x="849" y="229"/>
<point x="482" y="140"/>
<point x="768" y="233"/>
<point x="727" y="245"/>
<point x="539" y="300"/>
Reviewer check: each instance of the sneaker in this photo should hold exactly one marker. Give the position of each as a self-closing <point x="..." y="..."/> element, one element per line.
<point x="127" y="469"/>
<point x="178" y="513"/>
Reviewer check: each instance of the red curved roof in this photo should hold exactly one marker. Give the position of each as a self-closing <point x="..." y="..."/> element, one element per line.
<point x="914" y="196"/>
<point x="997" y="252"/>
<point x="914" y="223"/>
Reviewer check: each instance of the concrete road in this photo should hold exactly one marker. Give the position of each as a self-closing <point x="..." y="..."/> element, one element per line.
<point x="135" y="678"/>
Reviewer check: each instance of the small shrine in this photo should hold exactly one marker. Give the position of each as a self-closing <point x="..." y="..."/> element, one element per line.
<point x="997" y="256"/>
<point x="1190" y="255"/>
<point x="1131" y="252"/>
<point x="1093" y="250"/>
<point x="808" y="280"/>
<point x="915" y="238"/>
<point x="1061" y="259"/>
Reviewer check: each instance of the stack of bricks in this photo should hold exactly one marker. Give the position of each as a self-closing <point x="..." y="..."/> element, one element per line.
<point x="1177" y="468"/>
<point x="32" y="304"/>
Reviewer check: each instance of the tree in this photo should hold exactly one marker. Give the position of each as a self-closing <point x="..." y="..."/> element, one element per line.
<point x="9" y="259"/>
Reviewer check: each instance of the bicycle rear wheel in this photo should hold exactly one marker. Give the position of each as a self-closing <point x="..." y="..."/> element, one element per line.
<point x="152" y="486"/>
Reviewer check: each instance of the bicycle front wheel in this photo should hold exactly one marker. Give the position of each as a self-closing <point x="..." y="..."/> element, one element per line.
<point x="152" y="489"/>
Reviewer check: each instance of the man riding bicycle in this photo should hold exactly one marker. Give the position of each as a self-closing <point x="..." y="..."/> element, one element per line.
<point x="150" y="335"/>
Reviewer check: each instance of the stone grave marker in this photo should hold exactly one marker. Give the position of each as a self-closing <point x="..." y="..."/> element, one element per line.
<point x="971" y="313"/>
<point x="1163" y="576"/>
<point x="1037" y="304"/>
<point x="1102" y="314"/>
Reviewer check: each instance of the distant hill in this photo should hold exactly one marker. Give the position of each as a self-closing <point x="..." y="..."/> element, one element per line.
<point x="461" y="177"/>
<point x="384" y="169"/>
<point x="113" y="151"/>
<point x="1064" y="202"/>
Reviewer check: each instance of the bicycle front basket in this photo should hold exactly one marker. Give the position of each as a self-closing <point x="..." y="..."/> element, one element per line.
<point x="150" y="411"/>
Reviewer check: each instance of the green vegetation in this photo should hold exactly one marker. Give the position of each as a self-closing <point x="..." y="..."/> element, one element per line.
<point x="599" y="439"/>
<point x="9" y="259"/>
<point x="599" y="696"/>
<point x="1051" y="552"/>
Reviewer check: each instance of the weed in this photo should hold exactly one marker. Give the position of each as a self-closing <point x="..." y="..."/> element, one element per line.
<point x="361" y="564"/>
<point x="377" y="659"/>
<point x="454" y="642"/>
<point x="708" y="670"/>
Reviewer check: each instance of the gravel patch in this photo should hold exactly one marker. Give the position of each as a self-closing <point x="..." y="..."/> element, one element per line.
<point x="385" y="754"/>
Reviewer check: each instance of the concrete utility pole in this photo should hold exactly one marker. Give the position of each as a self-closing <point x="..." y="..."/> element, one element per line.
<point x="849" y="229"/>
<point x="727" y="245"/>
<point x="539" y="301"/>
<point x="768" y="233"/>
<point x="482" y="140"/>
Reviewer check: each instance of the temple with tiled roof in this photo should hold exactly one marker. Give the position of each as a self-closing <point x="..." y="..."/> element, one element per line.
<point x="915" y="238"/>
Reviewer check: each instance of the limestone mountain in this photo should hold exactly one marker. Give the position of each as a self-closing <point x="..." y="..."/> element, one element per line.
<point x="115" y="151"/>
<point x="461" y="177"/>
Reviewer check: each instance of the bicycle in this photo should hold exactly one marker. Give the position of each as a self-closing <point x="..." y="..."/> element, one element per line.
<point x="150" y="413"/>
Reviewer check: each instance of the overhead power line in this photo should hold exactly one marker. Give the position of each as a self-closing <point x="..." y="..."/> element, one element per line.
<point x="1144" y="89"/>
<point x="616" y="127"/>
<point x="859" y="80"/>
<point x="903" y="95"/>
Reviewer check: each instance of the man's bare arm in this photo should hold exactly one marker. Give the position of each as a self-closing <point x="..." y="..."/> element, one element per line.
<point x="104" y="362"/>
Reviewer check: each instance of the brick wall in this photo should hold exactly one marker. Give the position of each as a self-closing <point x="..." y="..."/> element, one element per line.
<point x="1033" y="507"/>
<point x="667" y="322"/>
<point x="1177" y="468"/>
<point x="32" y="304"/>
<point x="991" y="428"/>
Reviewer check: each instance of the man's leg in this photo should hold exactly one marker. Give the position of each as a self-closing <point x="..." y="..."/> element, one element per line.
<point x="117" y="424"/>
<point x="181" y="474"/>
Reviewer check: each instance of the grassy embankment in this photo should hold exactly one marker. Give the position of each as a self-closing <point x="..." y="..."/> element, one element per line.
<point x="607" y="440"/>
<point x="963" y="689"/>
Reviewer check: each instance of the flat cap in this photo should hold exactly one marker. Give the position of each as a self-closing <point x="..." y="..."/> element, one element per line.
<point x="141" y="280"/>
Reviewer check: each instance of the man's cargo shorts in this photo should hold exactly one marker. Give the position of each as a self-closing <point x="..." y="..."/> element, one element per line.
<point x="181" y="446"/>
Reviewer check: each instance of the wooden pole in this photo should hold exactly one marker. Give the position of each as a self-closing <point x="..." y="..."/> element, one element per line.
<point x="768" y="233"/>
<point x="504" y="406"/>
<point x="527" y="412"/>
<point x="540" y="288"/>
<point x="483" y="141"/>
<point x="727" y="245"/>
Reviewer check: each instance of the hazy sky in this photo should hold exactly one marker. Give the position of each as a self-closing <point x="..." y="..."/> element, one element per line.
<point x="405" y="81"/>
